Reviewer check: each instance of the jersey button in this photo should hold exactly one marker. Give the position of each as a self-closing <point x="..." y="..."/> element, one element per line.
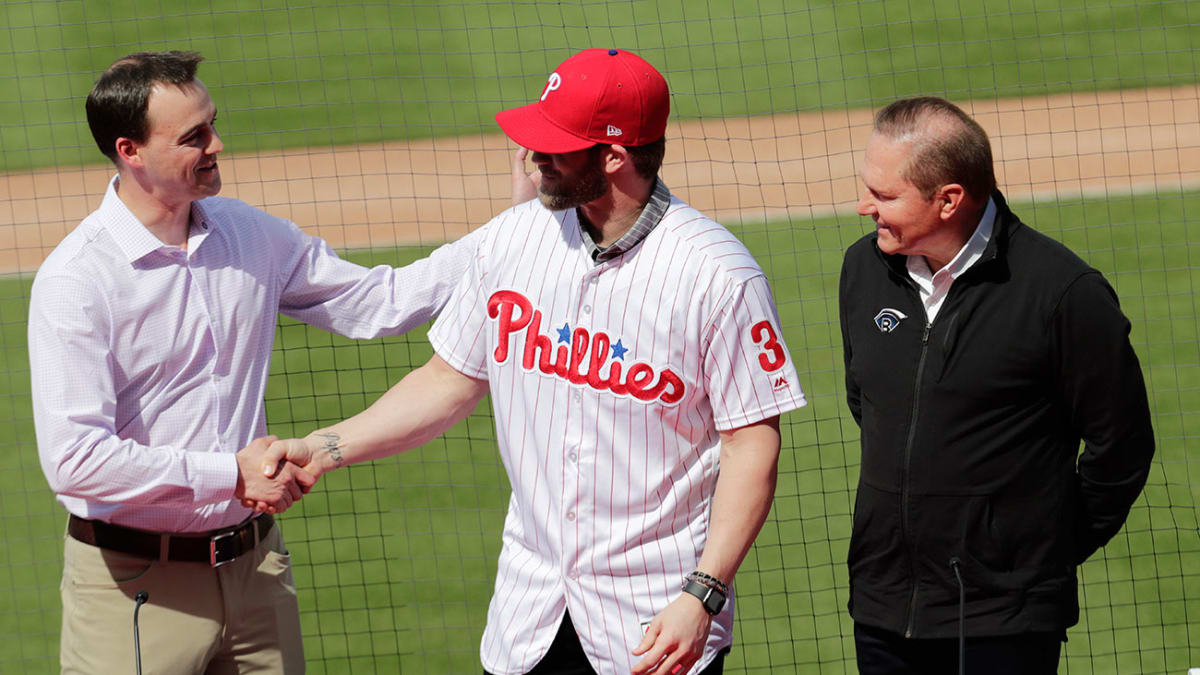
<point x="571" y="515"/>
<point x="587" y="309"/>
<point x="572" y="457"/>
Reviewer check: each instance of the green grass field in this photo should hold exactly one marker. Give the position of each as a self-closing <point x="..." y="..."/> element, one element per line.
<point x="328" y="72"/>
<point x="395" y="560"/>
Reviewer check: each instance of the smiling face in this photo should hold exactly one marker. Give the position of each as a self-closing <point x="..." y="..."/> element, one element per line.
<point x="178" y="160"/>
<point x="571" y="179"/>
<point x="908" y="222"/>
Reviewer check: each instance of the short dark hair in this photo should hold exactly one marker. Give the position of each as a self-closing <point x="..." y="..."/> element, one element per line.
<point x="648" y="158"/>
<point x="956" y="151"/>
<point x="116" y="107"/>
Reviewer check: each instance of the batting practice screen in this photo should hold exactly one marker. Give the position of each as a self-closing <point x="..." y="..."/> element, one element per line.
<point x="370" y="124"/>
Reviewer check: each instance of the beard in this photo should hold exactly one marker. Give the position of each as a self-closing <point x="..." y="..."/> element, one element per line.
<point x="588" y="184"/>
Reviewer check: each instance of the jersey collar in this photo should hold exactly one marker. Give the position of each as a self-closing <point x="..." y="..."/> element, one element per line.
<point x="652" y="214"/>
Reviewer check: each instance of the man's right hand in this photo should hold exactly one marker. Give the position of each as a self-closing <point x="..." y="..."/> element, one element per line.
<point x="418" y="408"/>
<point x="524" y="184"/>
<point x="317" y="453"/>
<point x="269" y="492"/>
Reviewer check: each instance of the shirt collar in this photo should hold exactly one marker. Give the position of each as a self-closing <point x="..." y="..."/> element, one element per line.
<point x="967" y="256"/>
<point x="132" y="237"/>
<point x="201" y="226"/>
<point x="651" y="215"/>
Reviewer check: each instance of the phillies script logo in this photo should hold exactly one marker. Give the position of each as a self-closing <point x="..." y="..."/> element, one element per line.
<point x="581" y="360"/>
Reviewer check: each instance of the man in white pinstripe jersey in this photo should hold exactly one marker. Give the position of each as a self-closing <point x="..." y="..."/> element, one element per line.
<point x="637" y="372"/>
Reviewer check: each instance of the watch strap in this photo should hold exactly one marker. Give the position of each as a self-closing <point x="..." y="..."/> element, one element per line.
<point x="712" y="599"/>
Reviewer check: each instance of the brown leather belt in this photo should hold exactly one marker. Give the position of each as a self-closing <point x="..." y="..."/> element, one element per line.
<point x="214" y="548"/>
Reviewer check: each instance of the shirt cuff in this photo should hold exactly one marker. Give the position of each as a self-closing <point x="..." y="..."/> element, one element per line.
<point x="214" y="475"/>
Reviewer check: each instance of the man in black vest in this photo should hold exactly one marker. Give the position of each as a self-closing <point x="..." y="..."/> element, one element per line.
<point x="978" y="353"/>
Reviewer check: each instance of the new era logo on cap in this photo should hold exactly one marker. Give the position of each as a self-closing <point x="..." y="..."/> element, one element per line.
<point x="596" y="96"/>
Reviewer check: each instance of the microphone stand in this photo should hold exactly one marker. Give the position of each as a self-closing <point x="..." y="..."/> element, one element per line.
<point x="140" y="599"/>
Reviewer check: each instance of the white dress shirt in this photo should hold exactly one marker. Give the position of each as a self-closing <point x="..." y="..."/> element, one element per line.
<point x="934" y="287"/>
<point x="149" y="362"/>
<point x="610" y="382"/>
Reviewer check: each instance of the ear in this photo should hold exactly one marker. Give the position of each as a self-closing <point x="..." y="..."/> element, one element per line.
<point x="950" y="199"/>
<point x="616" y="158"/>
<point x="127" y="151"/>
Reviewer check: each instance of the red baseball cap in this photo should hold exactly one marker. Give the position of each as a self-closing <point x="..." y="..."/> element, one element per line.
<point x="596" y="96"/>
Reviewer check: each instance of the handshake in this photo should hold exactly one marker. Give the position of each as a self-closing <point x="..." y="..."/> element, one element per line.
<point x="273" y="474"/>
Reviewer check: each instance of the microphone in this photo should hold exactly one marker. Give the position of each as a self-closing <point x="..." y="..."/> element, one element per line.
<point x="140" y="599"/>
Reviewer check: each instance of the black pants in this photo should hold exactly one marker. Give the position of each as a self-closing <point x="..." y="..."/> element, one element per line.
<point x="882" y="652"/>
<point x="566" y="657"/>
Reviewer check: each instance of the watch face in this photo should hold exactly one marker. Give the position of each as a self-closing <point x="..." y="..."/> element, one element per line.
<point x="714" y="602"/>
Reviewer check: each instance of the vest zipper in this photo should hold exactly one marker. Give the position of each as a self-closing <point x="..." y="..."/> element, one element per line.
<point x="904" y="496"/>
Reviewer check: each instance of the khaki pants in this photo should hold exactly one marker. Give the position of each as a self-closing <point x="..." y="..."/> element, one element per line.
<point x="238" y="618"/>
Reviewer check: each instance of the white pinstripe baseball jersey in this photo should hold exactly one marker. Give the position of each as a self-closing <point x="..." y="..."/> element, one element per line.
<point x="609" y="383"/>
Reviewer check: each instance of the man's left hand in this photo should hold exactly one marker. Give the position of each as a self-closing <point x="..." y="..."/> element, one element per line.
<point x="675" y="639"/>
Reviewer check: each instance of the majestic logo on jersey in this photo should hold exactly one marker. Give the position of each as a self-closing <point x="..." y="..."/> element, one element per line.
<point x="581" y="359"/>
<point x="887" y="319"/>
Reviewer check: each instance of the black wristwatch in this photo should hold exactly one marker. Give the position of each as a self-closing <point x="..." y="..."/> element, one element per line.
<point x="712" y="599"/>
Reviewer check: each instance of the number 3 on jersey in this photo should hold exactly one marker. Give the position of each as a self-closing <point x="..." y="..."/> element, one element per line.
<point x="772" y="357"/>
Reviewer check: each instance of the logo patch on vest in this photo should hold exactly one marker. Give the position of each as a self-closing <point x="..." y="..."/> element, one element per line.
<point x="887" y="319"/>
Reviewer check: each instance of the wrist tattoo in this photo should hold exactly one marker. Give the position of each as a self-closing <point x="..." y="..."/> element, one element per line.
<point x="330" y="443"/>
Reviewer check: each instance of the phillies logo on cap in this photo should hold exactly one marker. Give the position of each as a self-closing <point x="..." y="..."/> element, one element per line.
<point x="596" y="96"/>
<point x="551" y="85"/>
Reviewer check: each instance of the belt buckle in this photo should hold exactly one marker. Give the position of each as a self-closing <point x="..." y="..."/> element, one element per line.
<point x="217" y="554"/>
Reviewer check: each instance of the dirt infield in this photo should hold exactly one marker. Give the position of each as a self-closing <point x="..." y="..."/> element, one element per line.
<point x="759" y="168"/>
